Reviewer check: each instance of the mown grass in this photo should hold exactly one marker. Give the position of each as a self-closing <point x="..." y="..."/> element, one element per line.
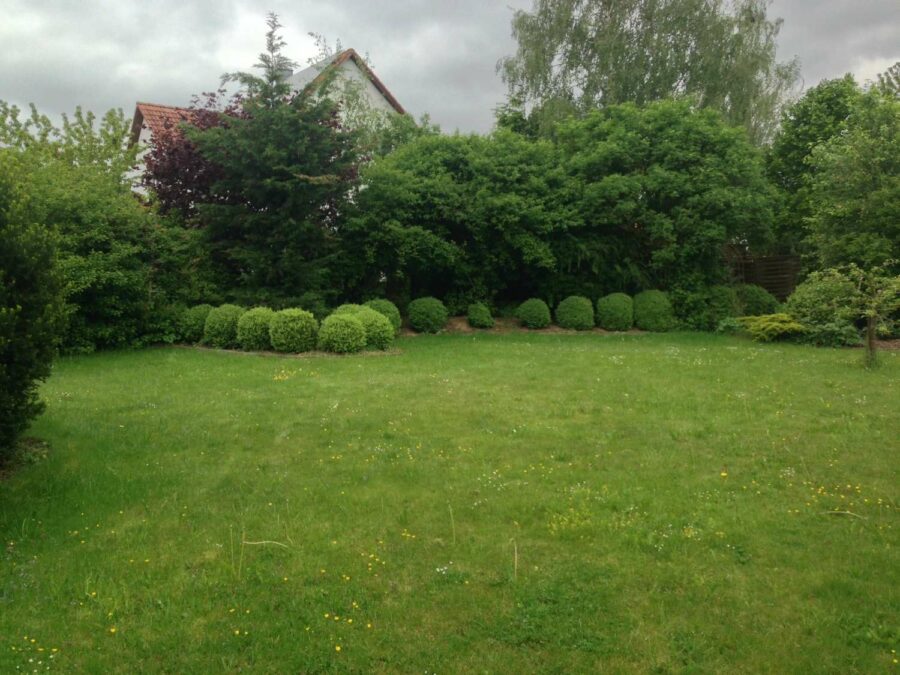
<point x="475" y="503"/>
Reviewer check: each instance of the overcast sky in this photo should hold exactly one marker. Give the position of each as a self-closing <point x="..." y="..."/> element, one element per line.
<point x="436" y="56"/>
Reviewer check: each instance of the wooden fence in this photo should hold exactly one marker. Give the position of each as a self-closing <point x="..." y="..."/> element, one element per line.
<point x="777" y="273"/>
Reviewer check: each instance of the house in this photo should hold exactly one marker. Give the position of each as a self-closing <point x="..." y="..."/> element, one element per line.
<point x="347" y="67"/>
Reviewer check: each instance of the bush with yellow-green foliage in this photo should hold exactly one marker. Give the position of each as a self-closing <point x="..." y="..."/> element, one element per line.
<point x="771" y="327"/>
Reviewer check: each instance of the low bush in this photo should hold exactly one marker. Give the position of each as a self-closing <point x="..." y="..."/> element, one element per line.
<point x="389" y="309"/>
<point x="253" y="329"/>
<point x="342" y="334"/>
<point x="771" y="327"/>
<point x="533" y="313"/>
<point x="615" y="312"/>
<point x="832" y="335"/>
<point x="479" y="316"/>
<point x="730" y="326"/>
<point x="653" y="311"/>
<point x="220" y="328"/>
<point x="347" y="308"/>
<point x="704" y="309"/>
<point x="823" y="298"/>
<point x="756" y="300"/>
<point x="193" y="320"/>
<point x="576" y="313"/>
<point x="378" y="328"/>
<point x="427" y="315"/>
<point x="293" y="330"/>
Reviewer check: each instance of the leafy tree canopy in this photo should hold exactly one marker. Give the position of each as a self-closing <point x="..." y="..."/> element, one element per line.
<point x="854" y="188"/>
<point x="576" y="55"/>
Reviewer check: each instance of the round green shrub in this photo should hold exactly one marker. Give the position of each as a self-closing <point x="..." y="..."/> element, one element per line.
<point x="293" y="330"/>
<point x="533" y="313"/>
<point x="825" y="297"/>
<point x="704" y="309"/>
<point x="192" y="322"/>
<point x="615" y="312"/>
<point x="342" y="334"/>
<point x="379" y="331"/>
<point x="253" y="329"/>
<point x="427" y="315"/>
<point x="653" y="311"/>
<point x="389" y="309"/>
<point x="220" y="328"/>
<point x="480" y="316"/>
<point x="347" y="308"/>
<point x="756" y="300"/>
<point x="575" y="313"/>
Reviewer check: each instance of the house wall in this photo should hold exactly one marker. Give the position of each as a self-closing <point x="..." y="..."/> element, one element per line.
<point x="351" y="71"/>
<point x="134" y="176"/>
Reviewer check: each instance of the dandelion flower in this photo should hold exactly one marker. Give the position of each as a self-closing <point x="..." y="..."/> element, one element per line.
<point x="337" y="648"/>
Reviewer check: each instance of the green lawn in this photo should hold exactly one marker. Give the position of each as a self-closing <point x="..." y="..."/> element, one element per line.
<point x="472" y="503"/>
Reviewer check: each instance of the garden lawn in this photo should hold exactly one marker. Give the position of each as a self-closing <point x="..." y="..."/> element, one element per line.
<point x="472" y="503"/>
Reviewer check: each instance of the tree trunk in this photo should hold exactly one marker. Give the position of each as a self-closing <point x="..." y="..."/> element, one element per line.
<point x="870" y="341"/>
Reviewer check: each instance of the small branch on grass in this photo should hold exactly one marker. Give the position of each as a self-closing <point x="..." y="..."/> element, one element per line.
<point x="843" y="513"/>
<point x="452" y="524"/>
<point x="515" y="560"/>
<point x="264" y="543"/>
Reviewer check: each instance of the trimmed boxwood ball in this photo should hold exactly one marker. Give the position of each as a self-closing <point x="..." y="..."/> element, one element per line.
<point x="756" y="300"/>
<point x="192" y="322"/>
<point x="427" y="315"/>
<point x="220" y="328"/>
<point x="480" y="316"/>
<point x="389" y="309"/>
<point x="293" y="330"/>
<point x="342" y="334"/>
<point x="253" y="329"/>
<point x="575" y="313"/>
<point x="379" y="331"/>
<point x="615" y="312"/>
<point x="653" y="311"/>
<point x="533" y="313"/>
<point x="347" y="308"/>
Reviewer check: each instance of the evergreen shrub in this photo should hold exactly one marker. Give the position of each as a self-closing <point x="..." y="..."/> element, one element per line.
<point x="293" y="330"/>
<point x="427" y="315"/>
<point x="533" y="313"/>
<point x="576" y="313"/>
<point x="615" y="312"/>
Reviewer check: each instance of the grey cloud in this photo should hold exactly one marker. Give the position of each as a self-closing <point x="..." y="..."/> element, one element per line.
<point x="436" y="57"/>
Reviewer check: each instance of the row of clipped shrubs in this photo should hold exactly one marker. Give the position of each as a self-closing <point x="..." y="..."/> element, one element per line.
<point x="375" y="324"/>
<point x="649" y="310"/>
<point x="350" y="328"/>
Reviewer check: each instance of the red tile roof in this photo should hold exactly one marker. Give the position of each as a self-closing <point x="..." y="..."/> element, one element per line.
<point x="157" y="118"/>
